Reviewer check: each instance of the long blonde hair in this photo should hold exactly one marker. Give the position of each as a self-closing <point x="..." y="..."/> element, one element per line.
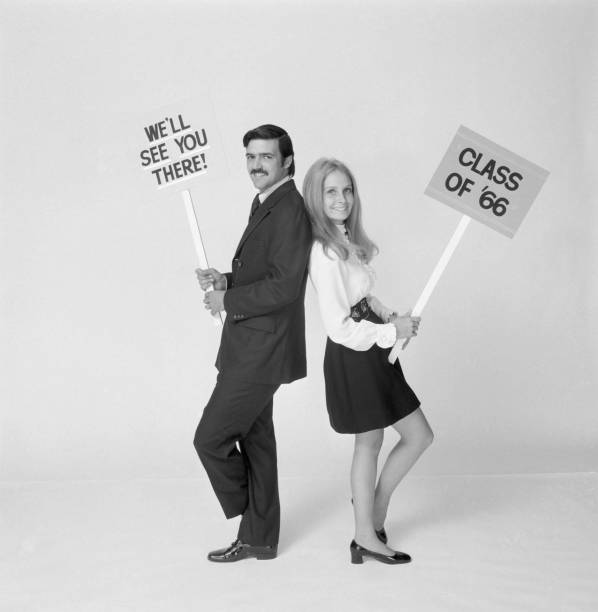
<point x="323" y="228"/>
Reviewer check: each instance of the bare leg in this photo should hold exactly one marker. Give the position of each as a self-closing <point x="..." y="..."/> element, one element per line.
<point x="416" y="436"/>
<point x="363" y="482"/>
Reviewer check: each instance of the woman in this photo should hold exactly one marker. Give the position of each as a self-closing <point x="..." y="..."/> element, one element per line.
<point x="364" y="392"/>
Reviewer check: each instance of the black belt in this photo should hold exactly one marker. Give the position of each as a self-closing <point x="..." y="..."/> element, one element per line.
<point x="361" y="310"/>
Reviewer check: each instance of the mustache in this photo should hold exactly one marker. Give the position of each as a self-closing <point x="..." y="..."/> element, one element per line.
<point x="259" y="172"/>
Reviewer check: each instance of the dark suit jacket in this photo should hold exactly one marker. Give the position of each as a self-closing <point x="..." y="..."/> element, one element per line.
<point x="263" y="339"/>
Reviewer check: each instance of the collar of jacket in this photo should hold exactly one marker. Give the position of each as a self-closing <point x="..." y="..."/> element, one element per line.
<point x="264" y="209"/>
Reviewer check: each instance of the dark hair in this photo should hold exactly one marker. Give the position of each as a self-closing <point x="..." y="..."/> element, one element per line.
<point x="273" y="132"/>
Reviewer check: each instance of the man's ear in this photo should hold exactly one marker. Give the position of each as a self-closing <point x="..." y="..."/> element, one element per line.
<point x="287" y="162"/>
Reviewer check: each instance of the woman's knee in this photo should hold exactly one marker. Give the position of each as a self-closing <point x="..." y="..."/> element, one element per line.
<point x="421" y="436"/>
<point x="427" y="437"/>
<point x="415" y="429"/>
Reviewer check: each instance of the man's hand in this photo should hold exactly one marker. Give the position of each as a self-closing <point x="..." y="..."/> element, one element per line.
<point x="407" y="325"/>
<point x="214" y="301"/>
<point x="211" y="276"/>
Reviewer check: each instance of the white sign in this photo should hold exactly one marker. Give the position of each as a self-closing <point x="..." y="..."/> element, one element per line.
<point x="180" y="143"/>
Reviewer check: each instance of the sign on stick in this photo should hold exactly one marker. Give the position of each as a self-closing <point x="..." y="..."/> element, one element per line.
<point x="179" y="143"/>
<point x="486" y="182"/>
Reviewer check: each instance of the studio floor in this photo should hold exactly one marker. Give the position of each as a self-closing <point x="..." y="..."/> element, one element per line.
<point x="479" y="543"/>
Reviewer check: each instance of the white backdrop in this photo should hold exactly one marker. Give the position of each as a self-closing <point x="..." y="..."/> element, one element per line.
<point x="107" y="353"/>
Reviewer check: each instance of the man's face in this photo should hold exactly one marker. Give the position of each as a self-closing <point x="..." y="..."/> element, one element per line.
<point x="265" y="163"/>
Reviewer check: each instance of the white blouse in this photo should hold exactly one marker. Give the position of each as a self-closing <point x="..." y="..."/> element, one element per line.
<point x="340" y="284"/>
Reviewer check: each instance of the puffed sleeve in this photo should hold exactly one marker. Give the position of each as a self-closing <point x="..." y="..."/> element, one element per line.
<point x="327" y="278"/>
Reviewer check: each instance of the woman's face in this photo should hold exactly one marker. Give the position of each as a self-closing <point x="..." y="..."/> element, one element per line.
<point x="338" y="196"/>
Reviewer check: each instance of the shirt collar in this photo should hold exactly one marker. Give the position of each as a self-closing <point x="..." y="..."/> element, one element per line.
<point x="262" y="196"/>
<point x="342" y="228"/>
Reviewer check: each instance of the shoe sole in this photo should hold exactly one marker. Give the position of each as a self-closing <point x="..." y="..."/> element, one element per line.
<point x="258" y="556"/>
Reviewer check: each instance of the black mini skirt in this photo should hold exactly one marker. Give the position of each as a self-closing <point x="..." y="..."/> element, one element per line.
<point x="363" y="390"/>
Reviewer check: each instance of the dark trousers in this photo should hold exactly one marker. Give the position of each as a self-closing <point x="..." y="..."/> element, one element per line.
<point x="236" y="444"/>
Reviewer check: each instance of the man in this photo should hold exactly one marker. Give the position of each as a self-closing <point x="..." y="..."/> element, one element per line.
<point x="262" y="346"/>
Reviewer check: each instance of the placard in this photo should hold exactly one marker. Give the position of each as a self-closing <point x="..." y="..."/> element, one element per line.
<point x="180" y="143"/>
<point x="486" y="182"/>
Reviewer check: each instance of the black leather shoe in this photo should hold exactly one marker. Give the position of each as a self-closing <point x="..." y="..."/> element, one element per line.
<point x="382" y="535"/>
<point x="238" y="551"/>
<point x="359" y="552"/>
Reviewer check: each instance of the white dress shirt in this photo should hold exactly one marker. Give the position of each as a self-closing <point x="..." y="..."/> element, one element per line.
<point x="264" y="194"/>
<point x="340" y="284"/>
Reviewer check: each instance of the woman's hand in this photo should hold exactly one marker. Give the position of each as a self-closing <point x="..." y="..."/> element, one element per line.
<point x="407" y="325"/>
<point x="211" y="276"/>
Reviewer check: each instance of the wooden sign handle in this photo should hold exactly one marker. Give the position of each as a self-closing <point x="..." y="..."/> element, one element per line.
<point x="401" y="343"/>
<point x="198" y="242"/>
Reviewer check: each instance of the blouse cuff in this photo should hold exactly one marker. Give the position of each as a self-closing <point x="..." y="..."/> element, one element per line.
<point x="387" y="335"/>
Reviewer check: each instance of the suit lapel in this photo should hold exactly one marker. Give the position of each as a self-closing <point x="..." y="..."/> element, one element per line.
<point x="264" y="210"/>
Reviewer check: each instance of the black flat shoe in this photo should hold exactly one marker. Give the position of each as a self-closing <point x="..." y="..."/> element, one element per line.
<point x="238" y="551"/>
<point x="359" y="552"/>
